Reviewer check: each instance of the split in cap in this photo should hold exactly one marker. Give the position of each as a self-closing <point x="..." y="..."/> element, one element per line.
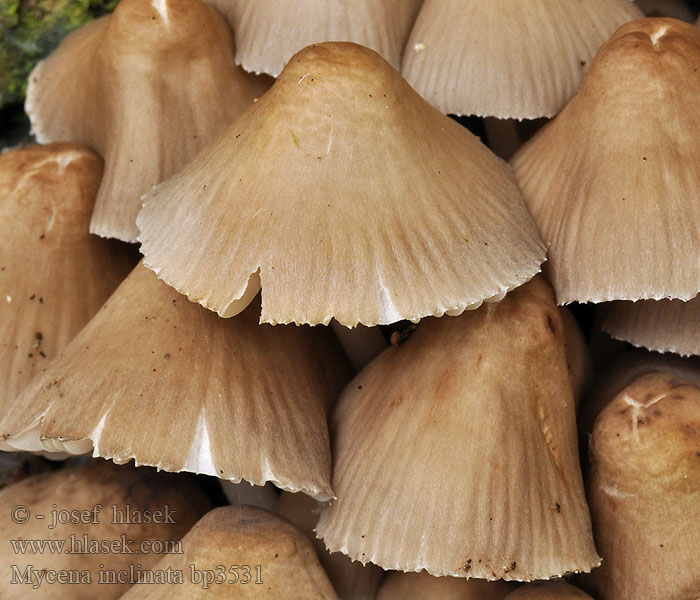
<point x="618" y="208"/>
<point x="270" y="32"/>
<point x="158" y="379"/>
<point x="661" y="325"/>
<point x="147" y="87"/>
<point x="457" y="453"/>
<point x="53" y="275"/>
<point x="507" y="58"/>
<point x="644" y="492"/>
<point x="274" y="559"/>
<point x="107" y="507"/>
<point x="349" y="196"/>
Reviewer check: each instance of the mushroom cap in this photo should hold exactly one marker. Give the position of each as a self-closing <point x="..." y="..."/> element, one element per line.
<point x="80" y="489"/>
<point x="147" y="87"/>
<point x="351" y="579"/>
<point x="263" y="545"/>
<point x="549" y="590"/>
<point x="661" y="325"/>
<point x="457" y="452"/>
<point x="422" y="586"/>
<point x="270" y="32"/>
<point x="519" y="60"/>
<point x="644" y="491"/>
<point x="227" y="398"/>
<point x="53" y="275"/>
<point x="293" y="190"/>
<point x="614" y="235"/>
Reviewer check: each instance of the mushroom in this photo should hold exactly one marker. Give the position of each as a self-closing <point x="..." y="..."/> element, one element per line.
<point x="147" y="87"/>
<point x="519" y="60"/>
<point x="661" y="325"/>
<point x="270" y="32"/>
<point x="53" y="275"/>
<point x="644" y="491"/>
<point x="351" y="579"/>
<point x="226" y="398"/>
<point x="88" y="532"/>
<point x="550" y="590"/>
<point x="291" y="196"/>
<point x="421" y="586"/>
<point x="241" y="552"/>
<point x="456" y="452"/>
<point x="615" y="237"/>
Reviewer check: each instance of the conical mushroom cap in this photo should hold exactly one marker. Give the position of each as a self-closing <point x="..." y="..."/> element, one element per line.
<point x="629" y="235"/>
<point x="661" y="325"/>
<point x="264" y="546"/>
<point x="548" y="591"/>
<point x="644" y="492"/>
<point x="456" y="453"/>
<point x="421" y="586"/>
<point x="519" y="60"/>
<point x="147" y="87"/>
<point x="225" y="398"/>
<point x="269" y="33"/>
<point x="292" y="190"/>
<point x="53" y="275"/>
<point x="351" y="579"/>
<point x="116" y="498"/>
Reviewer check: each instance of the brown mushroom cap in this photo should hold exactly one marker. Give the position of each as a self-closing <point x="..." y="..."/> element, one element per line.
<point x="422" y="586"/>
<point x="507" y="58"/>
<point x="293" y="191"/>
<point x="629" y="235"/>
<point x="644" y="492"/>
<point x="227" y="398"/>
<point x="264" y="547"/>
<point x="661" y="325"/>
<point x="457" y="452"/>
<point x="178" y="500"/>
<point x="147" y="87"/>
<point x="270" y="32"/>
<point x="53" y="275"/>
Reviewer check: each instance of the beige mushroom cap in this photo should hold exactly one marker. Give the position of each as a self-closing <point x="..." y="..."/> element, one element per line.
<point x="294" y="191"/>
<point x="507" y="58"/>
<point x="227" y="398"/>
<point x="264" y="547"/>
<point x="178" y="501"/>
<point x="270" y="32"/>
<point x="457" y="452"/>
<point x="53" y="275"/>
<point x="618" y="208"/>
<point x="644" y="492"/>
<point x="147" y="87"/>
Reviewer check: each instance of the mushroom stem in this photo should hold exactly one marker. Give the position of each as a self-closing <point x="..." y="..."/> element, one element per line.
<point x="360" y="344"/>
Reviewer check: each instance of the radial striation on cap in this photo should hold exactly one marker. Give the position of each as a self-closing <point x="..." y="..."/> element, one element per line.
<point x="53" y="275"/>
<point x="350" y="196"/>
<point x="618" y="208"/>
<point x="147" y="87"/>
<point x="270" y="32"/>
<point x="507" y="58"/>
<point x="644" y="492"/>
<point x="160" y="380"/>
<point x="457" y="453"/>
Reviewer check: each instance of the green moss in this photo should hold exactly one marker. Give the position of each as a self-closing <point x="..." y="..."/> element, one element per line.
<point x="31" y="29"/>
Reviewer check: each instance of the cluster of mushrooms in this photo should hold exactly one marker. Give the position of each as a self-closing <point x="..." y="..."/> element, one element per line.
<point x="281" y="222"/>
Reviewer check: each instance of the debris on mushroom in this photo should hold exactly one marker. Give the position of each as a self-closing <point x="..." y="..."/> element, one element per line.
<point x="432" y="438"/>
<point x="147" y="87"/>
<point x="227" y="398"/>
<point x="53" y="275"/>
